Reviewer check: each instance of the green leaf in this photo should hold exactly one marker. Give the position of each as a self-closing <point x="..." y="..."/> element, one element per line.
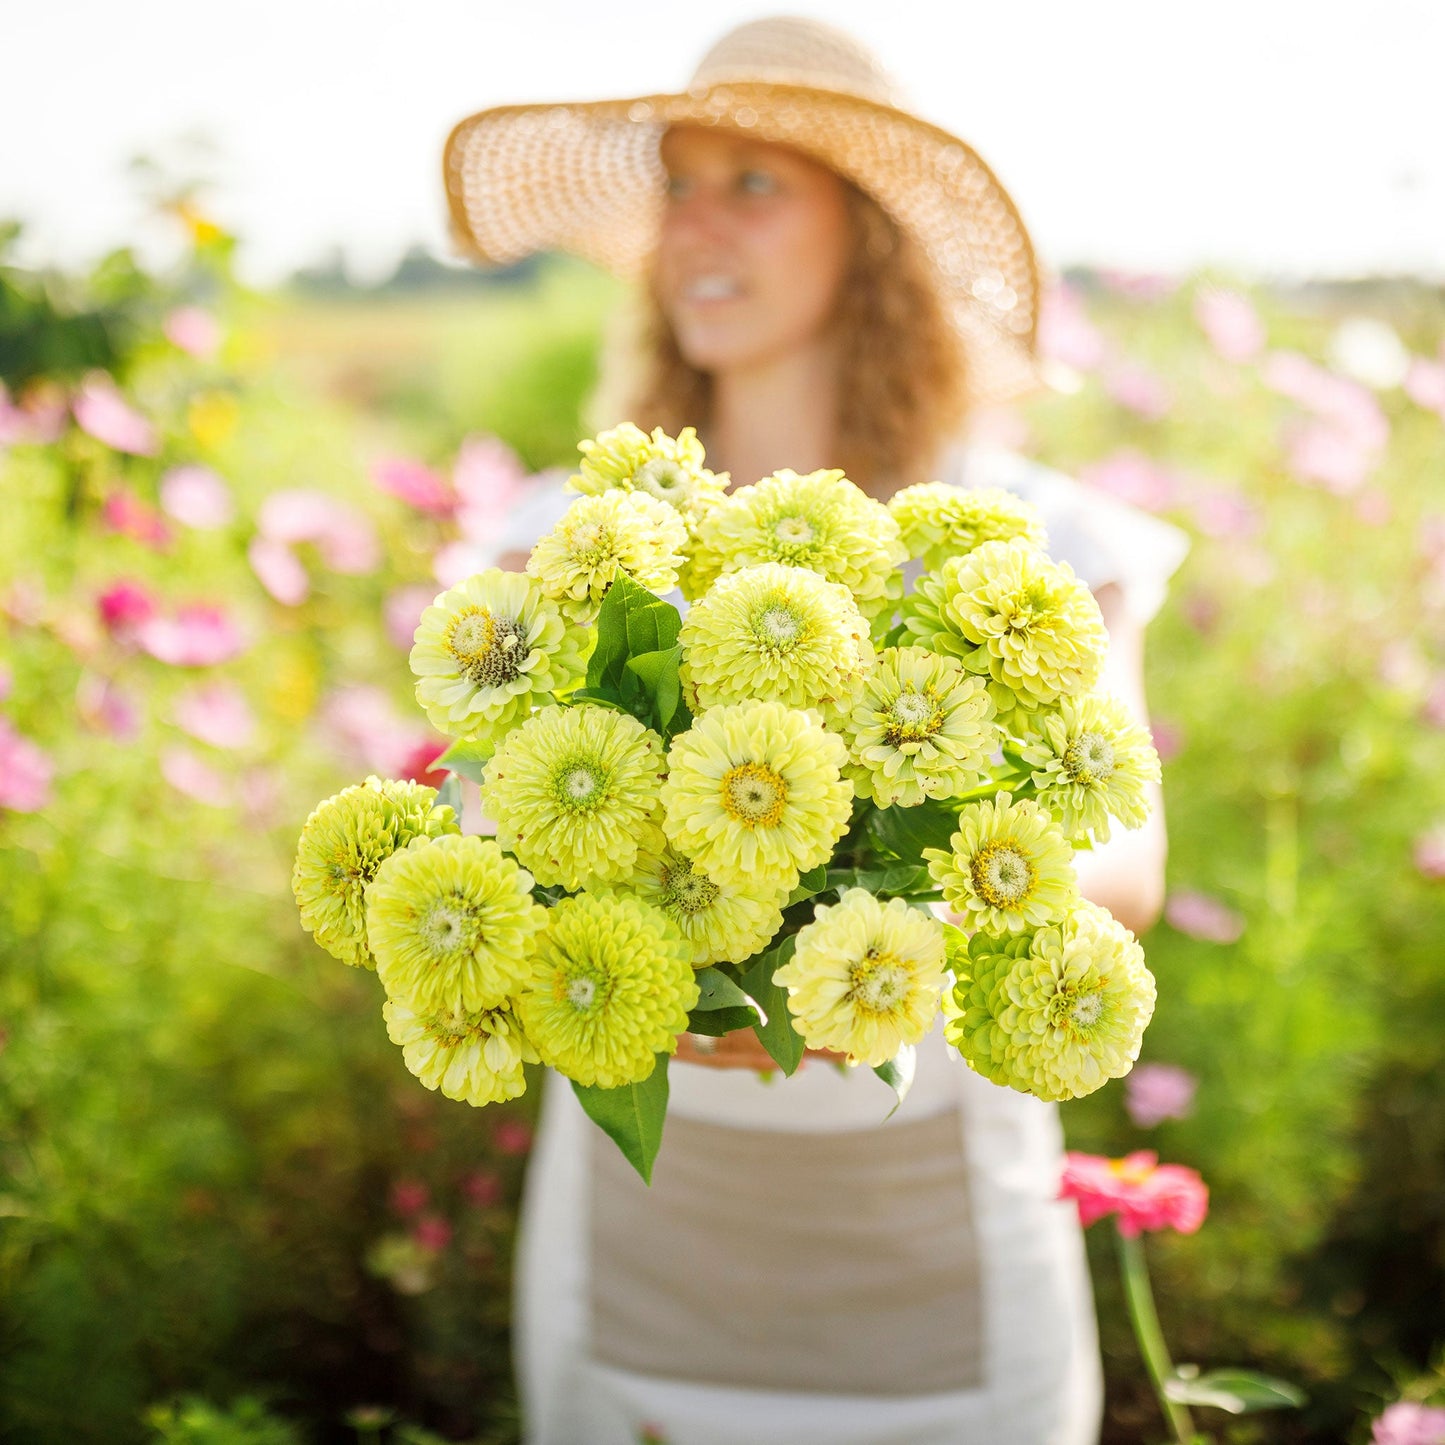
<point x="815" y="880"/>
<point x="604" y="667"/>
<point x="775" y="1029"/>
<point x="658" y="671"/>
<point x="906" y="832"/>
<point x="469" y="759"/>
<point x="905" y="881"/>
<point x="716" y="990"/>
<point x="714" y="1023"/>
<point x="449" y="795"/>
<point x="898" y="1072"/>
<point x="632" y="1115"/>
<point x="652" y="624"/>
<point x="1240" y="1392"/>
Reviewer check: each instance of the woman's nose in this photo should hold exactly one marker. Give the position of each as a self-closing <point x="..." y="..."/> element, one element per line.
<point x="701" y="216"/>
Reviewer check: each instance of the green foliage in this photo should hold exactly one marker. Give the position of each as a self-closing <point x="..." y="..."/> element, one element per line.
<point x="632" y="1115"/>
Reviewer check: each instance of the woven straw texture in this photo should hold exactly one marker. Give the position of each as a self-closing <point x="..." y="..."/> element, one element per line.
<point x="586" y="178"/>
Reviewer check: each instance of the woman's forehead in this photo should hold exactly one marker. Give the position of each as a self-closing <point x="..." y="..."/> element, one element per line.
<point x="693" y="144"/>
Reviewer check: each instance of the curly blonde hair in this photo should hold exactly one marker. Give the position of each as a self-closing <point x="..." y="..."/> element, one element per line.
<point x="903" y="391"/>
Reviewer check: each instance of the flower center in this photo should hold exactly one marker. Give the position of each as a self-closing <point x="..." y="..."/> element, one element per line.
<point x="686" y="890"/>
<point x="489" y="649"/>
<point x="1002" y="874"/>
<point x="664" y="479"/>
<point x="582" y="986"/>
<point x="754" y="795"/>
<point x="1089" y="758"/>
<point x="778" y="628"/>
<point x="793" y="531"/>
<point x="912" y="717"/>
<point x="1085" y="1010"/>
<point x="445" y="926"/>
<point x="579" y="785"/>
<point x="879" y="982"/>
<point x="590" y="543"/>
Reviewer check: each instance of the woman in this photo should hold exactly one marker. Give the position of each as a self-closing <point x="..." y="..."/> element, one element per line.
<point x="801" y="1270"/>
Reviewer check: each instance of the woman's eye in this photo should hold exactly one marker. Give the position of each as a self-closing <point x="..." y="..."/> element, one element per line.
<point x="757" y="183"/>
<point x="675" y="188"/>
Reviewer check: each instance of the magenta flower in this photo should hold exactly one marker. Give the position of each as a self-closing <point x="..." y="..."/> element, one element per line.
<point x="403" y="610"/>
<point x="416" y="766"/>
<point x="279" y="571"/>
<point x="1139" y="390"/>
<point x="415" y="484"/>
<point x="1424" y="384"/>
<point x="1065" y="332"/>
<point x="123" y="607"/>
<point x="192" y="330"/>
<point x="1156" y="1092"/>
<point x="409" y="1196"/>
<point x="1133" y="477"/>
<point x="432" y="1232"/>
<point x="216" y="713"/>
<point x="1202" y="917"/>
<point x="1406" y="1423"/>
<point x="199" y="635"/>
<point x="197" y="497"/>
<point x="1230" y="322"/>
<point x="100" y="410"/>
<point x="1141" y="1192"/>
<point x="483" y="1188"/>
<point x="105" y="707"/>
<point x="194" y="777"/>
<point x="26" y="772"/>
<point x="124" y="512"/>
<point x="1429" y="852"/>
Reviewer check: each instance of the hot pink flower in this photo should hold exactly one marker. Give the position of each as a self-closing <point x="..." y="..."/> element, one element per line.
<point x="216" y="713"/>
<point x="1138" y="389"/>
<point x="415" y="484"/>
<point x="279" y="571"/>
<point x="197" y="497"/>
<point x="101" y="410"/>
<point x="1406" y="1423"/>
<point x="1065" y="332"/>
<point x="126" y="513"/>
<point x="512" y="1136"/>
<point x="1202" y="917"/>
<point x="1425" y="384"/>
<point x="409" y="1196"/>
<point x="105" y="707"/>
<point x="1230" y="322"/>
<point x="194" y="777"/>
<point x="1144" y="1194"/>
<point x="416" y="766"/>
<point x="124" y="606"/>
<point x="193" y="331"/>
<point x="432" y="1232"/>
<point x="1155" y="1092"/>
<point x="1130" y="475"/>
<point x="25" y="772"/>
<point x="1429" y="852"/>
<point x="199" y="635"/>
<point x="483" y="1188"/>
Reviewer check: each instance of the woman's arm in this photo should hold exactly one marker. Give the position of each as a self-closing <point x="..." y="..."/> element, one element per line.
<point x="1126" y="874"/>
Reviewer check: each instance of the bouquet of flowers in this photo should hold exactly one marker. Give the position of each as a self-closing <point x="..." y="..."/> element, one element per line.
<point x="744" y="817"/>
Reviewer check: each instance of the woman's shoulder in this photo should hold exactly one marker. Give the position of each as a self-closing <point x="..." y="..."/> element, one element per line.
<point x="1103" y="538"/>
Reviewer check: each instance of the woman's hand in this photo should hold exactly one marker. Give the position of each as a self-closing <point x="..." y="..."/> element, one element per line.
<point x="740" y="1049"/>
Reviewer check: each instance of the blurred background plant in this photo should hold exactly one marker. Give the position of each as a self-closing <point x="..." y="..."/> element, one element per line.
<point x="224" y="511"/>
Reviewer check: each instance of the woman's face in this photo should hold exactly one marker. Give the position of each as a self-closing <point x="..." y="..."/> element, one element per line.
<point x="754" y="244"/>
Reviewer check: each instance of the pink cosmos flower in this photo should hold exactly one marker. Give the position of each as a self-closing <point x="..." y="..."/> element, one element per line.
<point x="343" y="535"/>
<point x="415" y="484"/>
<point x="1156" y="1092"/>
<point x="1424" y="384"/>
<point x="483" y="1188"/>
<point x="365" y="724"/>
<point x="279" y="571"/>
<point x="409" y="1196"/>
<point x="124" y="512"/>
<point x="193" y="330"/>
<point x="487" y="476"/>
<point x="432" y="1232"/>
<point x="1429" y="852"/>
<point x="100" y="410"/>
<point x="1141" y="1192"/>
<point x="1200" y="916"/>
<point x="1139" y="390"/>
<point x="1133" y="477"/>
<point x="262" y="792"/>
<point x="1406" y="1423"/>
<point x="403" y="610"/>
<point x="105" y="707"/>
<point x="1167" y="737"/>
<point x="37" y="419"/>
<point x="216" y="713"/>
<point x="124" y="606"/>
<point x="416" y="766"/>
<point x="1221" y="513"/>
<point x="199" y="635"/>
<point x="1139" y="285"/>
<point x="1065" y="332"/>
<point x="189" y="774"/>
<point x="512" y="1136"/>
<point x="26" y="772"/>
<point x="1230" y="322"/>
<point x="1318" y="451"/>
<point x="197" y="497"/>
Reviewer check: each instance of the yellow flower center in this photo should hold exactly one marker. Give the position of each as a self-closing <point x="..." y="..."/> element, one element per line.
<point x="912" y="717"/>
<point x="582" y="986"/>
<point x="793" y="531"/>
<point x="879" y="982"/>
<point x="1089" y="759"/>
<point x="1085" y="1010"/>
<point x="778" y="628"/>
<point x="1131" y="1173"/>
<point x="489" y="650"/>
<point x="1002" y="873"/>
<point x="662" y="478"/>
<point x="445" y="927"/>
<point x="754" y="795"/>
<point x="590" y="543"/>
<point x="579" y="785"/>
<point x="687" y="891"/>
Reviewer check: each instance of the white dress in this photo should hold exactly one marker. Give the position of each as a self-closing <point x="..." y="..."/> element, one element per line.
<point x="801" y="1271"/>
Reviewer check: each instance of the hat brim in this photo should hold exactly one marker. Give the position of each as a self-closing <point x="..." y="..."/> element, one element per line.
<point x="586" y="178"/>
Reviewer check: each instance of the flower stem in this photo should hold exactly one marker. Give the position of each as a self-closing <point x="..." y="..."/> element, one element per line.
<point x="1145" y="1319"/>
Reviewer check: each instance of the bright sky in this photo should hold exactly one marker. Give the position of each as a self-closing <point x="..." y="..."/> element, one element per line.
<point x="1273" y="136"/>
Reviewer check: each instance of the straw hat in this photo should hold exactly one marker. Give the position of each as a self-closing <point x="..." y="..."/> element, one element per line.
<point x="585" y="177"/>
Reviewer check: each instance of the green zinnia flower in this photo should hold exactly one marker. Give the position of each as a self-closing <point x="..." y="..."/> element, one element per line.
<point x="722" y="923"/>
<point x="1008" y="867"/>
<point x="573" y="790"/>
<point x="820" y="521"/>
<point x="939" y="521"/>
<point x="490" y="649"/>
<point x="1059" y="1016"/>
<point x="1092" y="762"/>
<point x="609" y="989"/>
<point x="775" y="633"/>
<point x="625" y="458"/>
<point x="1010" y="612"/>
<point x="600" y="538"/>
<point x="475" y="1057"/>
<point x="345" y="840"/>
<point x="865" y="976"/>
<point x="451" y="923"/>
<point x="921" y="728"/>
<point x="755" y="794"/>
